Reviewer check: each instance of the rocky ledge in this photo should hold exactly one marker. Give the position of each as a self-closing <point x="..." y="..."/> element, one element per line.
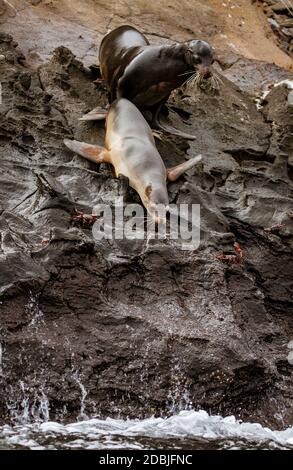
<point x="280" y="19"/>
<point x="113" y="329"/>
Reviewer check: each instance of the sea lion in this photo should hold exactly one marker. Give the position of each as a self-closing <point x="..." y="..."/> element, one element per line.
<point x="131" y="149"/>
<point x="146" y="74"/>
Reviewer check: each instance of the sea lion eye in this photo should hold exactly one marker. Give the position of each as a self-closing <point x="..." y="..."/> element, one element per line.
<point x="197" y="60"/>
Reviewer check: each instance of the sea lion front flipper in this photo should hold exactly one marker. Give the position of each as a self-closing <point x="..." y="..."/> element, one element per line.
<point x="94" y="153"/>
<point x="176" y="171"/>
<point x="96" y="114"/>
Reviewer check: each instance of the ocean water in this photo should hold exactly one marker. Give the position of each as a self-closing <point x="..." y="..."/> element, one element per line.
<point x="185" y="430"/>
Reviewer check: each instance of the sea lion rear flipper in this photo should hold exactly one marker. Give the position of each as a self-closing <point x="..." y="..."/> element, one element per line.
<point x="157" y="124"/>
<point x="161" y="126"/>
<point x="94" y="153"/>
<point x="96" y="114"/>
<point x="176" y="171"/>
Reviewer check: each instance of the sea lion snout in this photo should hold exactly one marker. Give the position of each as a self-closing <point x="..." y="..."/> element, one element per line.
<point x="158" y="213"/>
<point x="156" y="202"/>
<point x="205" y="71"/>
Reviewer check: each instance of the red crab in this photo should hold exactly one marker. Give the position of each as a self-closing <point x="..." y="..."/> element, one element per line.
<point x="232" y="259"/>
<point x="86" y="220"/>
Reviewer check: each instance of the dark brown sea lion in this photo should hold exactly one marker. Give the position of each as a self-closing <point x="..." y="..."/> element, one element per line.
<point x="146" y="74"/>
<point x="131" y="149"/>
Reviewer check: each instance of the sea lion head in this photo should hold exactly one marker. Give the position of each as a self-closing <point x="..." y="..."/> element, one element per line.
<point x="200" y="57"/>
<point x="156" y="201"/>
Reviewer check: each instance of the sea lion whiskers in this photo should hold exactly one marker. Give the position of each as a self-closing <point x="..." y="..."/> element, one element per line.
<point x="194" y="74"/>
<point x="193" y="81"/>
<point x="189" y="80"/>
<point x="190" y="72"/>
<point x="199" y="82"/>
<point x="218" y="79"/>
<point x="215" y="80"/>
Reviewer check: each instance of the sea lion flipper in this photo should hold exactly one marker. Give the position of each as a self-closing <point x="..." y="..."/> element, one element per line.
<point x="176" y="171"/>
<point x="96" y="114"/>
<point x="94" y="153"/>
<point x="157" y="124"/>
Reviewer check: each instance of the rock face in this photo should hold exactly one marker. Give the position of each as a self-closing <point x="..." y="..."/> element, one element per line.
<point x="116" y="329"/>
<point x="280" y="19"/>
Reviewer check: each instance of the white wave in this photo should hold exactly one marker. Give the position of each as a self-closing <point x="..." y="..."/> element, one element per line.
<point x="97" y="433"/>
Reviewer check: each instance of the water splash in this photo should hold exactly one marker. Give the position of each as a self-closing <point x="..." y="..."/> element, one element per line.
<point x="178" y="398"/>
<point x="32" y="309"/>
<point x="1" y="359"/>
<point x="83" y="394"/>
<point x="40" y="409"/>
<point x="145" y="374"/>
<point x="33" y="406"/>
<point x="187" y="429"/>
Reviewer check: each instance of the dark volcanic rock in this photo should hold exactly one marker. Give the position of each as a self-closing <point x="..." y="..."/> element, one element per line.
<point x="253" y="76"/>
<point x="280" y="19"/>
<point x="122" y="329"/>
